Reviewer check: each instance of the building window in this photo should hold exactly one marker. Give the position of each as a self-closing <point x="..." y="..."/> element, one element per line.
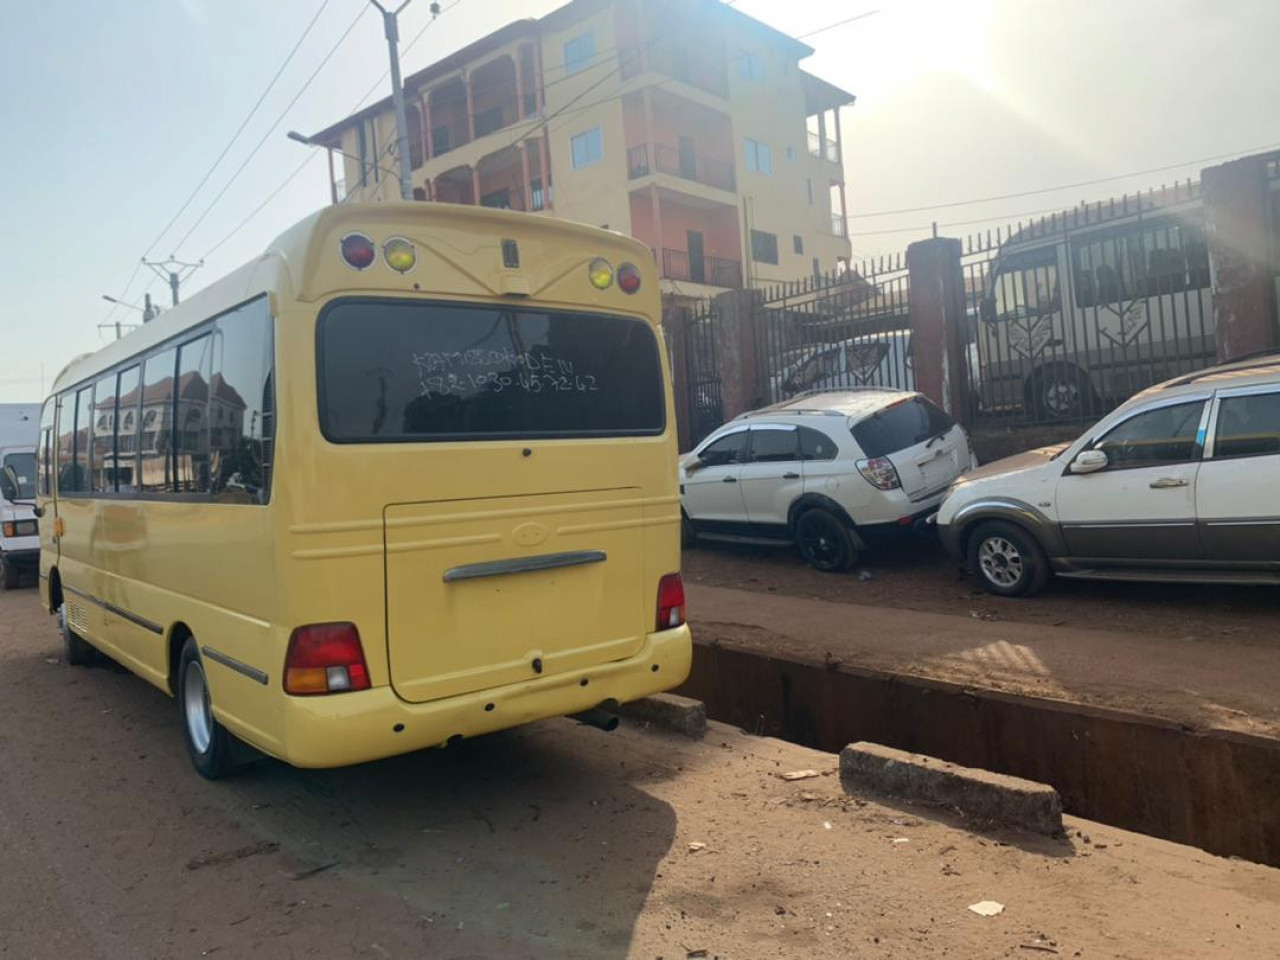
<point x="578" y="52"/>
<point x="791" y="152"/>
<point x="587" y="148"/>
<point x="797" y="241"/>
<point x="751" y="67"/>
<point x="759" y="158"/>
<point x="764" y="247"/>
<point x="808" y="182"/>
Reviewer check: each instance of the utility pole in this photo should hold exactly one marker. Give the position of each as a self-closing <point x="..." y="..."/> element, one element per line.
<point x="390" y="27"/>
<point x="174" y="271"/>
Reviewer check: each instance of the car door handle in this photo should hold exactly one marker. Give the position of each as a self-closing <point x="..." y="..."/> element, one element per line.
<point x="729" y="480"/>
<point x="1164" y="483"/>
<point x="791" y="476"/>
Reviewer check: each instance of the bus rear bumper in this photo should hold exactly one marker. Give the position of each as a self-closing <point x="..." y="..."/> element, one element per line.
<point x="343" y="729"/>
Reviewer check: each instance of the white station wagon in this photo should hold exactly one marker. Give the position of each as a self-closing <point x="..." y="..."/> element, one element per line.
<point x="832" y="472"/>
<point x="1181" y="483"/>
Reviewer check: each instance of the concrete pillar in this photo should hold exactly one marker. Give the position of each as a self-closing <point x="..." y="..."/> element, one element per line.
<point x="937" y="312"/>
<point x="428" y="146"/>
<point x="655" y="207"/>
<point x="736" y="355"/>
<point x="475" y="185"/>
<point x="1244" y="293"/>
<point x="544" y="170"/>
<point x="471" y="108"/>
<point x="519" y="85"/>
<point x="526" y="181"/>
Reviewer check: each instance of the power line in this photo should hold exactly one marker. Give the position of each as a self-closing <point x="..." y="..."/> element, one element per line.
<point x="213" y="166"/>
<point x="1065" y="186"/>
<point x="298" y="170"/>
<point x="841" y="23"/>
<point x="240" y="129"/>
<point x="272" y="129"/>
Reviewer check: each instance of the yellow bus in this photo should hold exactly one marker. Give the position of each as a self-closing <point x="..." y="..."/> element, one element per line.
<point x="408" y="476"/>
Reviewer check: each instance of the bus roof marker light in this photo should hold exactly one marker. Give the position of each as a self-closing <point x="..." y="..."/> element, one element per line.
<point x="628" y="278"/>
<point x="600" y="273"/>
<point x="358" y="251"/>
<point x="399" y="254"/>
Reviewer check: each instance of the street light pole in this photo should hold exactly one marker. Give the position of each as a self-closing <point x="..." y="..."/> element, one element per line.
<point x="391" y="28"/>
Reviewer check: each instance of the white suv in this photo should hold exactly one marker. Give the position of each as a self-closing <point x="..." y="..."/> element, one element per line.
<point x="832" y="472"/>
<point x="1178" y="484"/>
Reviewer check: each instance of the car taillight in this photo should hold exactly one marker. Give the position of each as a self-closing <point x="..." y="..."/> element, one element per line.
<point x="670" y="601"/>
<point x="325" y="658"/>
<point x="880" y="473"/>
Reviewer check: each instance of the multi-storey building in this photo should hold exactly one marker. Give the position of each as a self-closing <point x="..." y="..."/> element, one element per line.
<point x="684" y="123"/>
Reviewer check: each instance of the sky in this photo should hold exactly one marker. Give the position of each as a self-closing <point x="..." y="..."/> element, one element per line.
<point x="114" y="111"/>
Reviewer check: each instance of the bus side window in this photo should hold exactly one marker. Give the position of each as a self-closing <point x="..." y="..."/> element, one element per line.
<point x="241" y="410"/>
<point x="44" y="469"/>
<point x="1027" y="285"/>
<point x="156" y="444"/>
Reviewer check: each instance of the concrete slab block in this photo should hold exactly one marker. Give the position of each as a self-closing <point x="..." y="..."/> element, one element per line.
<point x="669" y="711"/>
<point x="979" y="794"/>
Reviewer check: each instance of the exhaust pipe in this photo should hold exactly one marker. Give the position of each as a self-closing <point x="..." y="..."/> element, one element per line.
<point x="595" y="717"/>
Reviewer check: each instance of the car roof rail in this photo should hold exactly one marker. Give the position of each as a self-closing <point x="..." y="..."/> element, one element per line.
<point x="1257" y="360"/>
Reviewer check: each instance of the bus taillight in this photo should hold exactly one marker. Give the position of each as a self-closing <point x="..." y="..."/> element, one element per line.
<point x="670" y="601"/>
<point x="325" y="658"/>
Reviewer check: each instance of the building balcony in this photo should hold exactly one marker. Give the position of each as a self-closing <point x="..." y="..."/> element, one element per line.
<point x="824" y="147"/>
<point x="673" y="60"/>
<point x="647" y="159"/>
<point x="713" y="271"/>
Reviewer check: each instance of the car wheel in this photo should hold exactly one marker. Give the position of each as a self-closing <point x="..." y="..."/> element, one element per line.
<point x="1061" y="392"/>
<point x="208" y="742"/>
<point x="824" y="541"/>
<point x="77" y="651"/>
<point x="9" y="575"/>
<point x="1008" y="560"/>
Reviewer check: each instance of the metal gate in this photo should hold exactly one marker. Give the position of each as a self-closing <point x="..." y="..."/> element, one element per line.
<point x="702" y="371"/>
<point x="1072" y="314"/>
<point x="840" y="330"/>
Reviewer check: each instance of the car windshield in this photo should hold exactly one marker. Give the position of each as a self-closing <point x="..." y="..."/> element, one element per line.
<point x="900" y="425"/>
<point x="24" y="465"/>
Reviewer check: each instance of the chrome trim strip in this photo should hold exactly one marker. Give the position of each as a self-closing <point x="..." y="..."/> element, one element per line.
<point x="1259" y="522"/>
<point x="253" y="673"/>
<point x="118" y="611"/>
<point x="545" y="561"/>
<point x="1128" y="525"/>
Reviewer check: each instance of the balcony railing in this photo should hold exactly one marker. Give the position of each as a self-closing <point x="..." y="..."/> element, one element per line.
<point x="820" y="146"/>
<point x="698" y="69"/>
<point x="660" y="158"/>
<point x="678" y="265"/>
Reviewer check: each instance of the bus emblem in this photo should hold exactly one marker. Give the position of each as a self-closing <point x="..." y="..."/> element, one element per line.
<point x="529" y="534"/>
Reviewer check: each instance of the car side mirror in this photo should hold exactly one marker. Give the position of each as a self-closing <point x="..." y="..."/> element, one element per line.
<point x="1090" y="461"/>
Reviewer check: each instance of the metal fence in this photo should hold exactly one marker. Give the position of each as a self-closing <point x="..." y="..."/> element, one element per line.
<point x="839" y="330"/>
<point x="1072" y="314"/>
<point x="701" y="373"/>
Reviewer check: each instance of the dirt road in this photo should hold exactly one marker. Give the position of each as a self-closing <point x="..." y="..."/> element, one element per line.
<point x="555" y="841"/>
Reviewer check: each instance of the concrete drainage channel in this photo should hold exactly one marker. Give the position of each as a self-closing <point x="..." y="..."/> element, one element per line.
<point x="1215" y="790"/>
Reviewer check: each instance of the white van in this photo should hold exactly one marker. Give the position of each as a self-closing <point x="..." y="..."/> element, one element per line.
<point x="19" y="533"/>
<point x="871" y="360"/>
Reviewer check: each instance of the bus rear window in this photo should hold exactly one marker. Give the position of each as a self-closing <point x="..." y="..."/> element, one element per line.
<point x="402" y="371"/>
<point x="901" y="425"/>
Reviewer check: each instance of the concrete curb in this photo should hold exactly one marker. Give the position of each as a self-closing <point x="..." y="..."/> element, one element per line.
<point x="978" y="794"/>
<point x="669" y="711"/>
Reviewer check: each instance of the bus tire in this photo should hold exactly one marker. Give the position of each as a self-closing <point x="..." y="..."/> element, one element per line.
<point x="77" y="651"/>
<point x="208" y="743"/>
<point x="1061" y="391"/>
<point x="9" y="575"/>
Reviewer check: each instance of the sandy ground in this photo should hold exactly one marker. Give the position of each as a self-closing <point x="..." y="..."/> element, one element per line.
<point x="1206" y="657"/>
<point x="553" y="841"/>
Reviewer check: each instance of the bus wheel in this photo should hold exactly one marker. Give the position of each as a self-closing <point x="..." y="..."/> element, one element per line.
<point x="77" y="650"/>
<point x="8" y="575"/>
<point x="207" y="740"/>
<point x="1061" y="392"/>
